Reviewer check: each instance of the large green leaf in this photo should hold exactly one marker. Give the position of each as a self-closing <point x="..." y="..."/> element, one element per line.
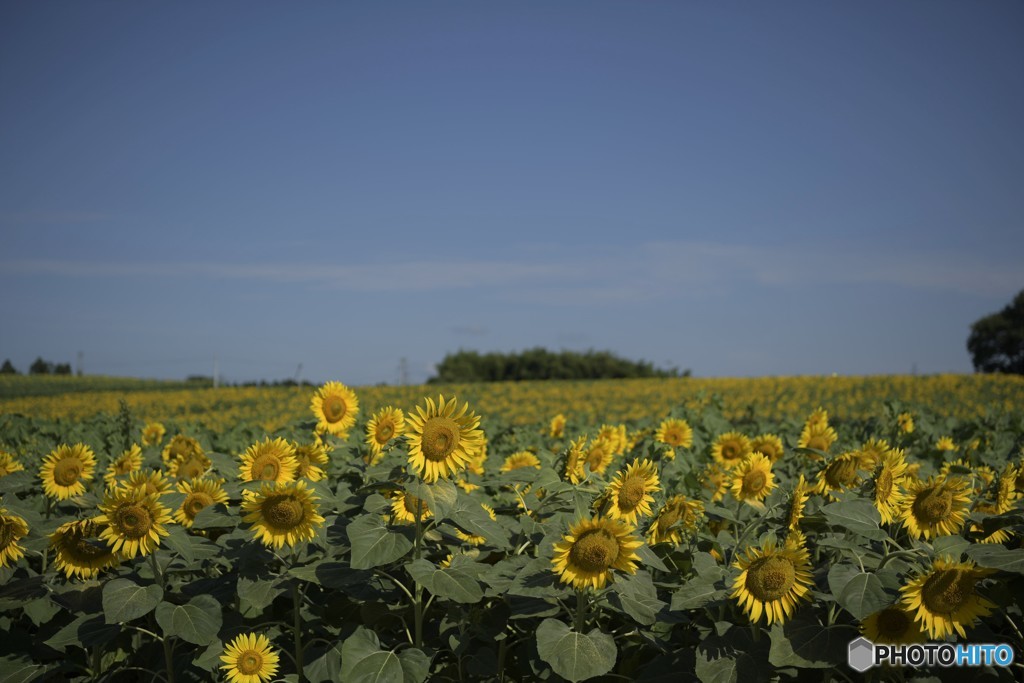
<point x="638" y="597"/>
<point x="453" y="583"/>
<point x="196" y="622"/>
<point x="858" y="516"/>
<point x="215" y="517"/>
<point x="256" y="596"/>
<point x="695" y="593"/>
<point x="374" y="544"/>
<point x="863" y="595"/>
<point x="440" y="496"/>
<point x="124" y="600"/>
<point x="362" y="660"/>
<point x="839" y="575"/>
<point x="575" y="656"/>
<point x="19" y="671"/>
<point x="998" y="557"/>
<point x="177" y="539"/>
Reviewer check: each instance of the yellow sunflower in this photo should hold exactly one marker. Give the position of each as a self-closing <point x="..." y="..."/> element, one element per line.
<point x="575" y="458"/>
<point x="675" y="433"/>
<point x="840" y="474"/>
<point x="892" y="625"/>
<point x="599" y="456"/>
<point x="772" y="580"/>
<point x="189" y="466"/>
<point x="817" y="435"/>
<point x="386" y="424"/>
<point x="311" y="459"/>
<point x="629" y="492"/>
<point x="80" y="551"/>
<point x="615" y="435"/>
<point x="405" y="507"/>
<point x="520" y="460"/>
<point x="937" y="507"/>
<point x="797" y="502"/>
<point x="819" y="417"/>
<point x="1006" y="489"/>
<point x="677" y="516"/>
<point x="64" y="470"/>
<point x="129" y="461"/>
<point x="905" y="422"/>
<point x="269" y="460"/>
<point x="150" y="482"/>
<point x="946" y="443"/>
<point x="889" y="498"/>
<point x="180" y="445"/>
<point x="753" y="480"/>
<point x="133" y="521"/>
<point x="476" y="539"/>
<point x="9" y="464"/>
<point x="199" y="494"/>
<point x="730" y="449"/>
<point x="13" y="528"/>
<point x="153" y="434"/>
<point x="592" y="549"/>
<point x="944" y="599"/>
<point x="716" y="481"/>
<point x="335" y="407"/>
<point x="768" y="445"/>
<point x="477" y="460"/>
<point x="249" y="659"/>
<point x="871" y="452"/>
<point x="997" y="536"/>
<point x="442" y="438"/>
<point x="282" y="513"/>
<point x="556" y="428"/>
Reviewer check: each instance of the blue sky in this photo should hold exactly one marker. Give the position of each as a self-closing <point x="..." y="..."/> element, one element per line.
<point x="737" y="188"/>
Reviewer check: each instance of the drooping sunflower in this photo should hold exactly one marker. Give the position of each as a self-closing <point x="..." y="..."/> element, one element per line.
<point x="150" y="482"/>
<point x="615" y="435"/>
<point x="520" y="460"/>
<point x="999" y="535"/>
<point x="282" y="513"/>
<point x="944" y="599"/>
<point x="556" y="428"/>
<point x="679" y="515"/>
<point x="772" y="580"/>
<point x="889" y="497"/>
<point x="797" y="502"/>
<point x="199" y="494"/>
<point x="80" y="551"/>
<point x="13" y="528"/>
<point x="129" y="461"/>
<point x="386" y="424"/>
<point x="190" y="466"/>
<point x="871" y="453"/>
<point x="9" y="464"/>
<point x="590" y="551"/>
<point x="269" y="460"/>
<point x="180" y="445"/>
<point x="753" y="480"/>
<point x="405" y="507"/>
<point x="730" y="449"/>
<point x="946" y="443"/>
<point x="1006" y="489"/>
<point x="818" y="436"/>
<point x="937" y="507"/>
<point x="476" y="539"/>
<point x="575" y="458"/>
<point x="892" y="625"/>
<point x="311" y="459"/>
<point x="818" y="417"/>
<point x="442" y="438"/>
<point x="716" y="481"/>
<point x="153" y="434"/>
<point x="133" y="521"/>
<point x="335" y="407"/>
<point x="65" y="469"/>
<point x="840" y="474"/>
<point x="249" y="659"/>
<point x="675" y="432"/>
<point x="599" y="456"/>
<point x="629" y="492"/>
<point x="768" y="445"/>
<point x="905" y="422"/>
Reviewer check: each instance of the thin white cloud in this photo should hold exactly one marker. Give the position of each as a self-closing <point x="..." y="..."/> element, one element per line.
<point x="594" y="276"/>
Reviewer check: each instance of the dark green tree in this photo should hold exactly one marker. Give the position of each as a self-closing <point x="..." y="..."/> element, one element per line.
<point x="41" y="367"/>
<point x="8" y="369"/>
<point x="62" y="369"/>
<point x="996" y="343"/>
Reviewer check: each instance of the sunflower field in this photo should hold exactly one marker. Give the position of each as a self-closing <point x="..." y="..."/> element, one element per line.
<point x="415" y="534"/>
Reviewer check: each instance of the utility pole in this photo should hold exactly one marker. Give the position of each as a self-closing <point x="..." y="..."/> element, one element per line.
<point x="78" y="369"/>
<point x="403" y="371"/>
<point x="298" y="372"/>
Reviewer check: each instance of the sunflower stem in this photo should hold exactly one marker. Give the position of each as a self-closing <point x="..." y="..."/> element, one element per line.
<point x="581" y="610"/>
<point x="417" y="602"/>
<point x="297" y="627"/>
<point x="157" y="574"/>
<point x="168" y="659"/>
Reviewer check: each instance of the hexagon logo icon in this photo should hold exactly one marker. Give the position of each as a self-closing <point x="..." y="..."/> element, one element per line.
<point x="861" y="655"/>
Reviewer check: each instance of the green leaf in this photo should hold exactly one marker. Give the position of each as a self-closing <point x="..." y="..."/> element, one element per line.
<point x="452" y="583"/>
<point x="177" y="540"/>
<point x="950" y="545"/>
<point x="649" y="558"/>
<point x="695" y="593"/>
<point x="720" y="670"/>
<point x="19" y="671"/>
<point x="124" y="600"/>
<point x="858" y="516"/>
<point x="863" y="595"/>
<point x="638" y="597"/>
<point x="256" y="596"/>
<point x="839" y="575"/>
<point x="210" y="659"/>
<point x="998" y="557"/>
<point x="196" y="622"/>
<point x="325" y="666"/>
<point x="362" y="660"/>
<point x="415" y="665"/>
<point x="440" y="496"/>
<point x="214" y="517"/>
<point x="374" y="544"/>
<point x="575" y="656"/>
<point x="707" y="567"/>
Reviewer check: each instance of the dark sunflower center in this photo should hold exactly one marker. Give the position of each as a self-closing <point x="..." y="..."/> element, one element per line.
<point x="123" y="467"/>
<point x="933" y="505"/>
<point x="674" y="437"/>
<point x="81" y="550"/>
<point x="250" y="662"/>
<point x="6" y="533"/>
<point x="415" y="505"/>
<point x="196" y="501"/>
<point x="283" y="512"/>
<point x="754" y="481"/>
<point x="668" y="517"/>
<point x="631" y="493"/>
<point x="133" y="520"/>
<point x="883" y="485"/>
<point x="893" y="622"/>
<point x="769" y="578"/>
<point x="440" y="438"/>
<point x="191" y="468"/>
<point x="335" y="409"/>
<point x="266" y="467"/>
<point x="594" y="551"/>
<point x="384" y="432"/>
<point x="730" y="451"/>
<point x="67" y="471"/>
<point x="841" y="473"/>
<point x="818" y="441"/>
<point x="946" y="591"/>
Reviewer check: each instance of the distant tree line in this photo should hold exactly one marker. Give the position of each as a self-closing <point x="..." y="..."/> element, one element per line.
<point x="996" y="342"/>
<point x="539" y="363"/>
<point x="39" y="367"/>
